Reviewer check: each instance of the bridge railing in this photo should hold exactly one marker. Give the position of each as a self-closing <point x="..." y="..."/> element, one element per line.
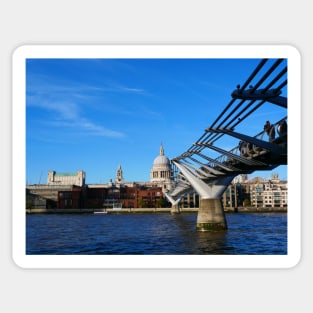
<point x="277" y="135"/>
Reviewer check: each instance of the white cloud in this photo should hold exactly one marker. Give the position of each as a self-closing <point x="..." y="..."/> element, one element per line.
<point x="97" y="130"/>
<point x="68" y="116"/>
<point x="64" y="100"/>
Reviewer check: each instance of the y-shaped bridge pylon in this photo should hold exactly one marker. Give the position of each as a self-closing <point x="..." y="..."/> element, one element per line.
<point x="209" y="176"/>
<point x="211" y="214"/>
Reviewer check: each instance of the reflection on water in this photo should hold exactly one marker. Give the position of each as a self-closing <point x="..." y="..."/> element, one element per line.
<point x="248" y="233"/>
<point x="212" y="243"/>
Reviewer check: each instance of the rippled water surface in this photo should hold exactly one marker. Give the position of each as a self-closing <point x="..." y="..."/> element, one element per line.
<point x="156" y="234"/>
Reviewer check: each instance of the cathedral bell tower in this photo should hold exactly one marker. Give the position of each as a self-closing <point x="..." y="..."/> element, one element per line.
<point x="119" y="175"/>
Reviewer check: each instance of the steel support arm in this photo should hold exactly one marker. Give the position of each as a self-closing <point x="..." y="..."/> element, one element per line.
<point x="220" y="164"/>
<point x="179" y="191"/>
<point x="172" y="200"/>
<point x="259" y="143"/>
<point x="213" y="190"/>
<point x="234" y="156"/>
<point x="272" y="95"/>
<point x="208" y="168"/>
<point x="199" y="171"/>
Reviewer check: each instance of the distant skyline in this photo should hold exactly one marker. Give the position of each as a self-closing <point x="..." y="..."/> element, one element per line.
<point x="96" y="114"/>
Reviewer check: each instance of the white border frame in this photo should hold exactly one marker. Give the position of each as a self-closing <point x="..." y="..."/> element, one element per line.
<point x="155" y="51"/>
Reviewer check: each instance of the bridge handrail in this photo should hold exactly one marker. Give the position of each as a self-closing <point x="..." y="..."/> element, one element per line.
<point x="236" y="150"/>
<point x="224" y="159"/>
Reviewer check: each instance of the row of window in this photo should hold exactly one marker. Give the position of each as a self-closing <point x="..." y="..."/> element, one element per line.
<point x="163" y="174"/>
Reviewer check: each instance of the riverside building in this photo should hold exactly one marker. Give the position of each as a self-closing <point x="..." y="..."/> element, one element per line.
<point x="77" y="179"/>
<point x="256" y="193"/>
<point x="69" y="190"/>
<point x="269" y="193"/>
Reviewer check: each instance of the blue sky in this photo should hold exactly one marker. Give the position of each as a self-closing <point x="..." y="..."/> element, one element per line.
<point x="94" y="114"/>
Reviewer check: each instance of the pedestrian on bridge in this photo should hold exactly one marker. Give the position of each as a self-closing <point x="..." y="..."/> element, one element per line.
<point x="270" y="130"/>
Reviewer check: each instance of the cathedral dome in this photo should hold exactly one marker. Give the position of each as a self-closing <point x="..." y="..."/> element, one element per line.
<point x="161" y="172"/>
<point x="161" y="160"/>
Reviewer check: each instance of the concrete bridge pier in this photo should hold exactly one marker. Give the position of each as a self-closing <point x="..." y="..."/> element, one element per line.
<point x="174" y="202"/>
<point x="175" y="209"/>
<point x="211" y="216"/>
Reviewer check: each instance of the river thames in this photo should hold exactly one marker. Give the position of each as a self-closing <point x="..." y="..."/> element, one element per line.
<point x="154" y="234"/>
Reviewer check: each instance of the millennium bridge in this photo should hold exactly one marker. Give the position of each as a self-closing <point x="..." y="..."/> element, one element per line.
<point x="207" y="167"/>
